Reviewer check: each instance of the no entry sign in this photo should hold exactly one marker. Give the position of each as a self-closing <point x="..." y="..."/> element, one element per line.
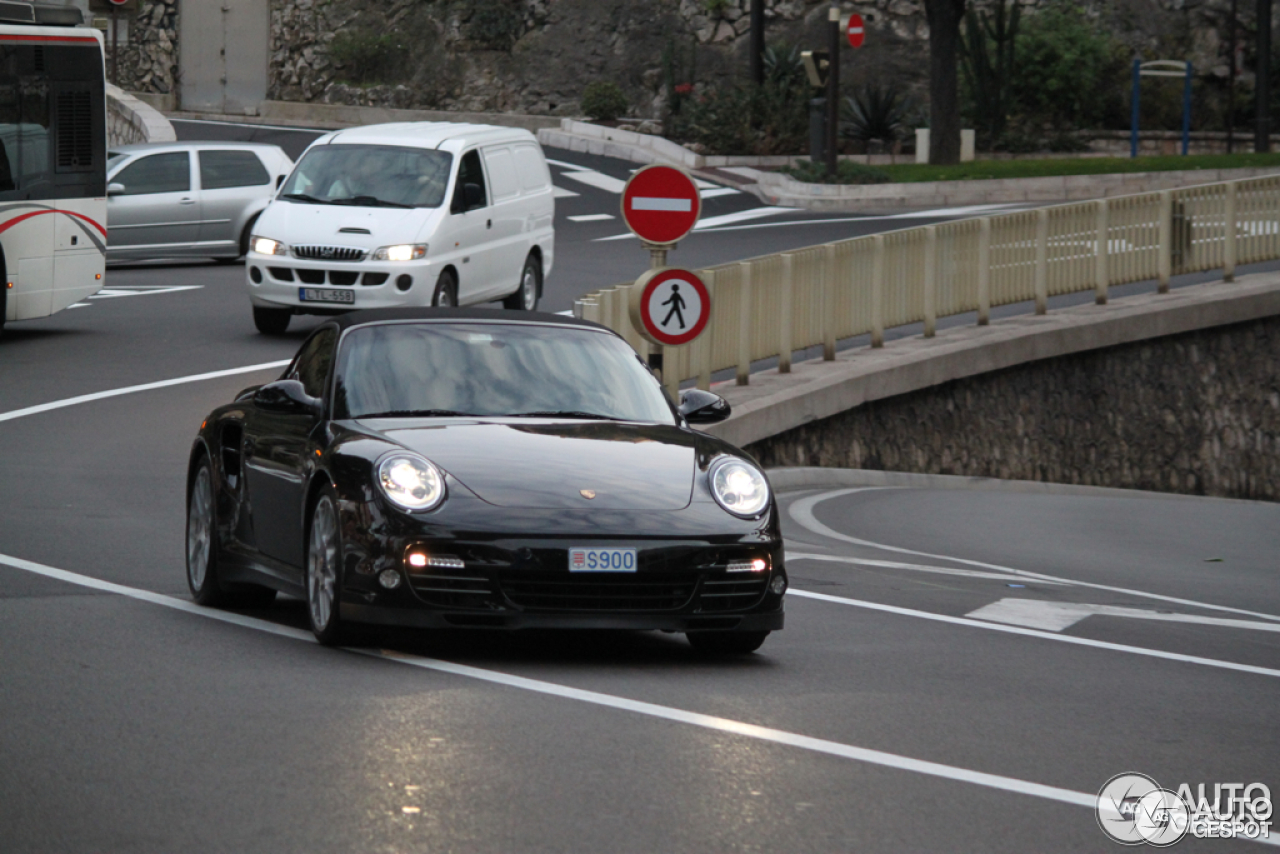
<point x="856" y="31"/>
<point x="670" y="306"/>
<point x="661" y="204"/>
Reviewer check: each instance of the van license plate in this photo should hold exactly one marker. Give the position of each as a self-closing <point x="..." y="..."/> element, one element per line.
<point x="602" y="560"/>
<point x="324" y="295"/>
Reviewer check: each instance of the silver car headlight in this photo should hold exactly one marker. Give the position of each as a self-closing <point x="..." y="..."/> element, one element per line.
<point x="403" y="252"/>
<point x="267" y="246"/>
<point x="409" y="481"/>
<point x="739" y="487"/>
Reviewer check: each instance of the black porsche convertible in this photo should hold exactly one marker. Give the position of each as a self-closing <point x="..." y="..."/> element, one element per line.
<point x="482" y="469"/>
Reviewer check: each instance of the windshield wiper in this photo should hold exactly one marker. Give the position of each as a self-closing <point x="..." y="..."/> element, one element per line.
<point x="303" y="197"/>
<point x="369" y="202"/>
<point x="563" y="413"/>
<point x="418" y="413"/>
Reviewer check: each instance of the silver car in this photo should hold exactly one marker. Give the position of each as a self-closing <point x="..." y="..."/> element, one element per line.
<point x="188" y="199"/>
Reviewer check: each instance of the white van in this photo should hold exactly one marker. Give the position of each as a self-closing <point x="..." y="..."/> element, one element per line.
<point x="414" y="213"/>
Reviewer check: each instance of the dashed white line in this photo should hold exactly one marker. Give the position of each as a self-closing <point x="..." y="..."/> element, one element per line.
<point x="591" y="217"/>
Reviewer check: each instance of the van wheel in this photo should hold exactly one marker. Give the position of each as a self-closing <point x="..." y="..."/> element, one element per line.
<point x="271" y="321"/>
<point x="446" y="295"/>
<point x="526" y="296"/>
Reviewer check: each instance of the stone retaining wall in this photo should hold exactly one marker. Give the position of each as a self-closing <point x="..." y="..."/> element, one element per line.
<point x="1195" y="413"/>
<point x="130" y="120"/>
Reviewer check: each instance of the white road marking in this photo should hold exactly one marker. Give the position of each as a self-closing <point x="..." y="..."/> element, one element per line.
<point x="317" y="131"/>
<point x="591" y="218"/>
<point x="109" y="293"/>
<point x="599" y="180"/>
<point x="100" y="395"/>
<point x="941" y="570"/>
<point x="1035" y="633"/>
<point x="713" y="222"/>
<point x="802" y="512"/>
<point x="572" y="166"/>
<point x="1056" y="616"/>
<point x="653" y="710"/>
<point x="946" y="212"/>
<point x="717" y="192"/>
<point x="562" y="193"/>
<point x="655" y="203"/>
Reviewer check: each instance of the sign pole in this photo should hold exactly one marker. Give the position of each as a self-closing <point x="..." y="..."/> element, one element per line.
<point x="833" y="89"/>
<point x="115" y="44"/>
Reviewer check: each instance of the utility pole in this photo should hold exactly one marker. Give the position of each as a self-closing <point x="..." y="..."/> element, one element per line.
<point x="1231" y="82"/>
<point x="1262" y="88"/>
<point x="757" y="42"/>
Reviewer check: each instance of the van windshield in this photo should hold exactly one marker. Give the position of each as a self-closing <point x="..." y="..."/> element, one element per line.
<point x="370" y="175"/>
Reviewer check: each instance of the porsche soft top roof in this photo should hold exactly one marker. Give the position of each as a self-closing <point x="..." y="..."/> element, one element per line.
<point x="458" y="315"/>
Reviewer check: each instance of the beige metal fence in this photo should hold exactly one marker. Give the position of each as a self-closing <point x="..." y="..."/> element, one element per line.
<point x="776" y="304"/>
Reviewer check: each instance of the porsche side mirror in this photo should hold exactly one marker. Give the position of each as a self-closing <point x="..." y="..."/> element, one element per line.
<point x="286" y="396"/>
<point x="703" y="407"/>
<point x="115" y="189"/>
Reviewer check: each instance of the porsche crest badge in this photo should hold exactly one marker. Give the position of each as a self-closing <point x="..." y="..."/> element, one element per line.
<point x="587" y="493"/>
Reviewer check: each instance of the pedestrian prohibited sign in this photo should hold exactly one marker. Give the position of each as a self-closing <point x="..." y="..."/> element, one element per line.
<point x="670" y="306"/>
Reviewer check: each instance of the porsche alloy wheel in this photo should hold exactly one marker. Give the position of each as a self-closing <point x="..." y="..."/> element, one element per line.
<point x="323" y="561"/>
<point x="200" y="531"/>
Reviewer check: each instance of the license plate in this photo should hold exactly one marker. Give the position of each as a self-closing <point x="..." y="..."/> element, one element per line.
<point x="324" y="295"/>
<point x="602" y="560"/>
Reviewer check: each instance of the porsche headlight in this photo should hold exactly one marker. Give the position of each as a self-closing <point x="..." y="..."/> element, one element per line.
<point x="409" y="481"/>
<point x="267" y="246"/>
<point x="405" y="252"/>
<point x="739" y="487"/>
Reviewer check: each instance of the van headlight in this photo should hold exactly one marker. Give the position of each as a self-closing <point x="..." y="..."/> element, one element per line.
<point x="402" y="252"/>
<point x="739" y="487"/>
<point x="267" y="246"/>
<point x="410" y="481"/>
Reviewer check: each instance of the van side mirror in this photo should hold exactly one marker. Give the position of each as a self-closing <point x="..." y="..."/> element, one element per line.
<point x="279" y="181"/>
<point x="703" y="407"/>
<point x="115" y="189"/>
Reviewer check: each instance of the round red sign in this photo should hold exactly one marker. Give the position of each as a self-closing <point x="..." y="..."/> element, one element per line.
<point x="670" y="306"/>
<point x="856" y="31"/>
<point x="661" y="204"/>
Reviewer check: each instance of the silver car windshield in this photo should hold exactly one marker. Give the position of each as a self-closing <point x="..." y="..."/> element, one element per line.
<point x="489" y="369"/>
<point x="370" y="175"/>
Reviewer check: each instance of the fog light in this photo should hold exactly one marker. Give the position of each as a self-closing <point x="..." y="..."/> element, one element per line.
<point x="778" y="586"/>
<point x="403" y="282"/>
<point x="418" y="560"/>
<point x="389" y="579"/>
<point x="255" y="275"/>
<point x="758" y="564"/>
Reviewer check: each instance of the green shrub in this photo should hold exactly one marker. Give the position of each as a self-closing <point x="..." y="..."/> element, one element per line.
<point x="364" y="57"/>
<point x="495" y="24"/>
<point x="847" y="172"/>
<point x="603" y="101"/>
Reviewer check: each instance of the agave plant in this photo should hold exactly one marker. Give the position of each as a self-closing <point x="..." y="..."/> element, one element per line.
<point x="876" y="113"/>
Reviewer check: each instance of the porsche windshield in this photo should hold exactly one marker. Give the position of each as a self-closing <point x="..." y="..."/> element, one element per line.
<point x="370" y="175"/>
<point x="492" y="369"/>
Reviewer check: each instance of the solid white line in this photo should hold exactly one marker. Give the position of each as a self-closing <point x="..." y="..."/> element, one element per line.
<point x="802" y="512"/>
<point x="100" y="395"/>
<point x="915" y="567"/>
<point x="590" y="217"/>
<point x="727" y="725"/>
<point x="596" y="179"/>
<point x="316" y="131"/>
<point x="110" y="293"/>
<point x="655" y="203"/>
<point x="1056" y="616"/>
<point x="1035" y="633"/>
<point x="574" y="166"/>
<point x="718" y="192"/>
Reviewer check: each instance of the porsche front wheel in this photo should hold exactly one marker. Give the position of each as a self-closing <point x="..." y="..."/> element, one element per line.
<point x="324" y="570"/>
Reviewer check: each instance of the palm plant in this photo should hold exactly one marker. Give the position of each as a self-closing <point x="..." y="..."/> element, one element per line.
<point x="876" y="113"/>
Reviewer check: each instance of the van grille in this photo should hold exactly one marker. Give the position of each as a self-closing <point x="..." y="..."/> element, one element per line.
<point x="329" y="253"/>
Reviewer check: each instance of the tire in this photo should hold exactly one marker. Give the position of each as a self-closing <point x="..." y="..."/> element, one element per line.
<point x="526" y="296"/>
<point x="324" y="570"/>
<point x="726" y="643"/>
<point x="203" y="553"/>
<point x="271" y="321"/>
<point x="446" y="292"/>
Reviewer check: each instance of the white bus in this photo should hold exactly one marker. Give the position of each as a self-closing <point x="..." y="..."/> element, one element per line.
<point x="53" y="144"/>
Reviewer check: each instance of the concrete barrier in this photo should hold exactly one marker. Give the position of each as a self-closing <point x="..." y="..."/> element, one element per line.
<point x="130" y="120"/>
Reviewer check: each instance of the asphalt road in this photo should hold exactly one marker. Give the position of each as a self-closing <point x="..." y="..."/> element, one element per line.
<point x="962" y="669"/>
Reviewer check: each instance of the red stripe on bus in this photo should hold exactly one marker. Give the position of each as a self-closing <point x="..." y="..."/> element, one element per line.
<point x="23" y="38"/>
<point x="17" y="219"/>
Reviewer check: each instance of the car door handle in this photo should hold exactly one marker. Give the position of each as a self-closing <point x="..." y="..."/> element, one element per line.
<point x="488" y="223"/>
<point x="186" y="201"/>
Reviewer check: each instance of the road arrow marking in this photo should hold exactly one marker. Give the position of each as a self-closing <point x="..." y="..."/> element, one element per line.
<point x="1056" y="616"/>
